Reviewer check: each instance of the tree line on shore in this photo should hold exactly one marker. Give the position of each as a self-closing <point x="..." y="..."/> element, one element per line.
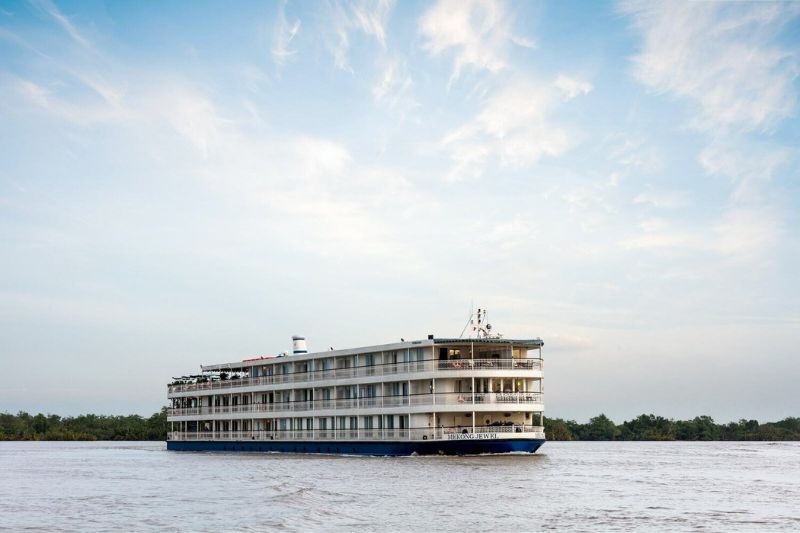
<point x="24" y="426"/>
<point x="652" y="427"/>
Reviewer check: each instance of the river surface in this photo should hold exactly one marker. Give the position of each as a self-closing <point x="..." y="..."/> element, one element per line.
<point x="567" y="486"/>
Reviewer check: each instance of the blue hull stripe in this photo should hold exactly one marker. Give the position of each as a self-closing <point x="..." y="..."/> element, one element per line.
<point x="441" y="447"/>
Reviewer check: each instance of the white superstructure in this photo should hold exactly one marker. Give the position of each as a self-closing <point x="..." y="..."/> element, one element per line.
<point x="429" y="391"/>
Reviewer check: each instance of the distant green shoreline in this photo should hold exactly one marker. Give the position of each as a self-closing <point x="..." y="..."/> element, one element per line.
<point x="657" y="428"/>
<point x="27" y="427"/>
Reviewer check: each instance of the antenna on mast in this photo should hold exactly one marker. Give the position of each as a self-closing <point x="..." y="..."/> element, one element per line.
<point x="480" y="328"/>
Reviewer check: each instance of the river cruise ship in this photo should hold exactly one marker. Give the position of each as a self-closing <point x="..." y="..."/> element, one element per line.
<point x="451" y="396"/>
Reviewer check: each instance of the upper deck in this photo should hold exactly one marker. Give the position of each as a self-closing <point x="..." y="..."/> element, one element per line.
<point x="423" y="358"/>
<point x="477" y="347"/>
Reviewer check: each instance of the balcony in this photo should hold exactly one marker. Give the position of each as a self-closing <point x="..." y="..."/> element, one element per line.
<point x="439" y="366"/>
<point x="478" y="433"/>
<point x="503" y="401"/>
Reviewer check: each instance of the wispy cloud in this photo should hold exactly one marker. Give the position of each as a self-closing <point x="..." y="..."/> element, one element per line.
<point x="514" y="126"/>
<point x="729" y="62"/>
<point x="723" y="56"/>
<point x="748" y="165"/>
<point x="81" y="113"/>
<point x="394" y="87"/>
<point x="369" y="17"/>
<point x="633" y="155"/>
<point x="572" y="87"/>
<point x="663" y="199"/>
<point x="748" y="234"/>
<point x="156" y="103"/>
<point x="48" y="7"/>
<point x="479" y="33"/>
<point x="741" y="235"/>
<point x="282" y="35"/>
<point x="190" y="113"/>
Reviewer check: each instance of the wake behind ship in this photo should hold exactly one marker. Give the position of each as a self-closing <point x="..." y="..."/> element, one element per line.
<point x="452" y="396"/>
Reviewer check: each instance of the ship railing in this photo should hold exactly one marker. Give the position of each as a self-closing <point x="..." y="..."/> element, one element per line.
<point x="489" y="364"/>
<point x="449" y="433"/>
<point x="364" y="371"/>
<point x="447" y="398"/>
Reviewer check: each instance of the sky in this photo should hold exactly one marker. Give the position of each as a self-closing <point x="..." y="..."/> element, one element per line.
<point x="186" y="183"/>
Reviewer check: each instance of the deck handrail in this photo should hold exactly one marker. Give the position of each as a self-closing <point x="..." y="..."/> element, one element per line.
<point x="504" y="399"/>
<point x="427" y="365"/>
<point x="362" y="434"/>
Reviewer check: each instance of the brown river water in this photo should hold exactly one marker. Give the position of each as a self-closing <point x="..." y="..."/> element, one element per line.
<point x="567" y="486"/>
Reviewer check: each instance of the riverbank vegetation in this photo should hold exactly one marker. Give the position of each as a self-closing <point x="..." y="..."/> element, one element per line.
<point x="24" y="426"/>
<point x="652" y="427"/>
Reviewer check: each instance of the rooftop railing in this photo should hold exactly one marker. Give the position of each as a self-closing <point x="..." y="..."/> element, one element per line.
<point x="428" y="365"/>
<point x="501" y="399"/>
<point x="454" y="433"/>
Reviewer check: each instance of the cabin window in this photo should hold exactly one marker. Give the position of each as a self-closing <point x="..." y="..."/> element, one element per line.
<point x="415" y="354"/>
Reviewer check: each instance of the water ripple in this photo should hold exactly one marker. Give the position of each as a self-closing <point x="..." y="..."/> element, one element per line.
<point x="569" y="487"/>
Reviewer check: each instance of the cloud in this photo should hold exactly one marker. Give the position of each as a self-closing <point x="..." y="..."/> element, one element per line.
<point x="109" y="92"/>
<point x="48" y="7"/>
<point x="515" y="126"/>
<point x="367" y="17"/>
<point x="663" y="199"/>
<point x="723" y="56"/>
<point x="747" y="233"/>
<point x="478" y="32"/>
<point x="633" y="156"/>
<point x="282" y="35"/>
<point x="506" y="236"/>
<point x="742" y="234"/>
<point x="155" y="102"/>
<point x="572" y="87"/>
<point x="189" y="113"/>
<point x="281" y="185"/>
<point x="81" y="113"/>
<point x="749" y="166"/>
<point x="663" y="239"/>
<point x="394" y="88"/>
<point x="313" y="187"/>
